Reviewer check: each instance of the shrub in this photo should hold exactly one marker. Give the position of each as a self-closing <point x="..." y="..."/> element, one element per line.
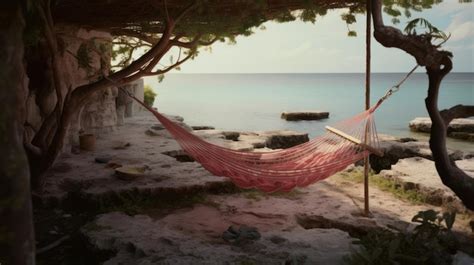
<point x="149" y="96"/>
<point x="430" y="242"/>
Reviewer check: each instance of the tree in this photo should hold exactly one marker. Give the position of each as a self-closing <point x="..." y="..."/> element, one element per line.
<point x="156" y="28"/>
<point x="438" y="64"/>
<point x="17" y="244"/>
<point x="149" y="96"/>
<point x="48" y="141"/>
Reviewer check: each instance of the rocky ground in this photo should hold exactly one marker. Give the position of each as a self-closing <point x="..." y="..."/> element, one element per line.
<point x="458" y="128"/>
<point x="177" y="212"/>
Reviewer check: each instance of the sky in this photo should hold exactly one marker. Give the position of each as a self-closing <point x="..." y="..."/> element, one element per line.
<point x="298" y="47"/>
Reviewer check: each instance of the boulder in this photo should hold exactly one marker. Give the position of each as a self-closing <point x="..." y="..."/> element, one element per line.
<point x="256" y="140"/>
<point x="462" y="136"/>
<point x="203" y="127"/>
<point x="458" y="128"/>
<point x="395" y="149"/>
<point x="284" y="139"/>
<point x="305" y="115"/>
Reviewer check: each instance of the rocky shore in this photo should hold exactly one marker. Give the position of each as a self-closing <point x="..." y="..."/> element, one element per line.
<point x="458" y="128"/>
<point x="177" y="212"/>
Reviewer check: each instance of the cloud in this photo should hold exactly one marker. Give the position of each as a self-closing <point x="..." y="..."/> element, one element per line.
<point x="300" y="50"/>
<point x="461" y="31"/>
<point x="461" y="26"/>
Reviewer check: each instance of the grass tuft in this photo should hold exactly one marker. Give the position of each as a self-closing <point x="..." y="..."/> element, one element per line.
<point x="387" y="185"/>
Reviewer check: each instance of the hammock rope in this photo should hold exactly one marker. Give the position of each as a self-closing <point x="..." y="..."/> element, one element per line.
<point x="282" y="170"/>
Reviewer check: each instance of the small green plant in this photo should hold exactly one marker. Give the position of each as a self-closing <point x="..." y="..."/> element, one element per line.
<point x="430" y="30"/>
<point x="387" y="185"/>
<point x="149" y="96"/>
<point x="431" y="242"/>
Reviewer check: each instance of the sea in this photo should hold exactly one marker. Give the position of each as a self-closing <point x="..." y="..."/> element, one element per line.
<point x="254" y="102"/>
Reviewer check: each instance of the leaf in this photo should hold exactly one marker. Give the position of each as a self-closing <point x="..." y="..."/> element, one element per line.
<point x="349" y="18"/>
<point x="352" y="33"/>
<point x="425" y="216"/>
<point x="449" y="219"/>
<point x="160" y="78"/>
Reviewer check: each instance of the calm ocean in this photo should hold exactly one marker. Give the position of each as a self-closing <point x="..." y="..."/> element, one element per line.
<point x="255" y="101"/>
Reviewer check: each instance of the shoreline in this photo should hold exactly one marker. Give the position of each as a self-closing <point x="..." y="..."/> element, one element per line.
<point x="452" y="143"/>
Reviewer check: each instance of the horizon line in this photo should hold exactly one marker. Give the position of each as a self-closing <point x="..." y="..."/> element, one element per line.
<point x="260" y="73"/>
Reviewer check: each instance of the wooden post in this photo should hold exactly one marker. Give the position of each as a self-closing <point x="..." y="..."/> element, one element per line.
<point x="367" y="104"/>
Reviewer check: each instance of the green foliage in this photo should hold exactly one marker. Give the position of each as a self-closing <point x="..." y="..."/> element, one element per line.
<point x="149" y="96"/>
<point x="388" y="185"/>
<point x="431" y="30"/>
<point x="83" y="58"/>
<point x="352" y="33"/>
<point x="161" y="78"/>
<point x="430" y="242"/>
<point x="308" y="15"/>
<point x="349" y="18"/>
<point x="395" y="8"/>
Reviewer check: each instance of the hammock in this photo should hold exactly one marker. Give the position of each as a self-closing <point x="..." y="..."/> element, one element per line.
<point x="282" y="170"/>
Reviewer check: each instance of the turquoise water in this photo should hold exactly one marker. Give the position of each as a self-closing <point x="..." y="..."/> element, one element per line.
<point x="255" y="101"/>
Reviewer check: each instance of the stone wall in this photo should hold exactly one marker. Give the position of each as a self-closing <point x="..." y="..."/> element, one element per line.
<point x="127" y="107"/>
<point x="84" y="56"/>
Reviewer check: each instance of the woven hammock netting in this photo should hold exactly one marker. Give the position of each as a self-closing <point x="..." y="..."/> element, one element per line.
<point x="280" y="170"/>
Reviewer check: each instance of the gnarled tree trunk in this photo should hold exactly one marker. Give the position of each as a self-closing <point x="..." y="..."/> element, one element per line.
<point x="16" y="228"/>
<point x="438" y="64"/>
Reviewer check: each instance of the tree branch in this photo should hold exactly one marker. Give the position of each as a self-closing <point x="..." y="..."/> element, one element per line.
<point x="194" y="43"/>
<point x="419" y="46"/>
<point x="132" y="33"/>
<point x="184" y="12"/>
<point x="171" y="67"/>
<point x="456" y="112"/>
<point x="438" y="64"/>
<point x="138" y="68"/>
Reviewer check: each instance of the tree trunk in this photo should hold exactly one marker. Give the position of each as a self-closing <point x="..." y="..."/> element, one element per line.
<point x="438" y="64"/>
<point x="451" y="176"/>
<point x="16" y="226"/>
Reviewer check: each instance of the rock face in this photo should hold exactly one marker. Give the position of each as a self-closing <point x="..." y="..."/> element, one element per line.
<point x="395" y="149"/>
<point x="100" y="114"/>
<point x="127" y="107"/>
<point x="305" y="115"/>
<point x="284" y="139"/>
<point x="458" y="128"/>
<point x="420" y="174"/>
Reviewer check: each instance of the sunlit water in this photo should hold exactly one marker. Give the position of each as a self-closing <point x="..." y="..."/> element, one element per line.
<point x="253" y="102"/>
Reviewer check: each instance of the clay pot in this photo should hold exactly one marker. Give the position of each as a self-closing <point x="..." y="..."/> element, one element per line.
<point x="87" y="142"/>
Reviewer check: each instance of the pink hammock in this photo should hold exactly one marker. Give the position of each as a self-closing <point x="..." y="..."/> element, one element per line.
<point x="282" y="170"/>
